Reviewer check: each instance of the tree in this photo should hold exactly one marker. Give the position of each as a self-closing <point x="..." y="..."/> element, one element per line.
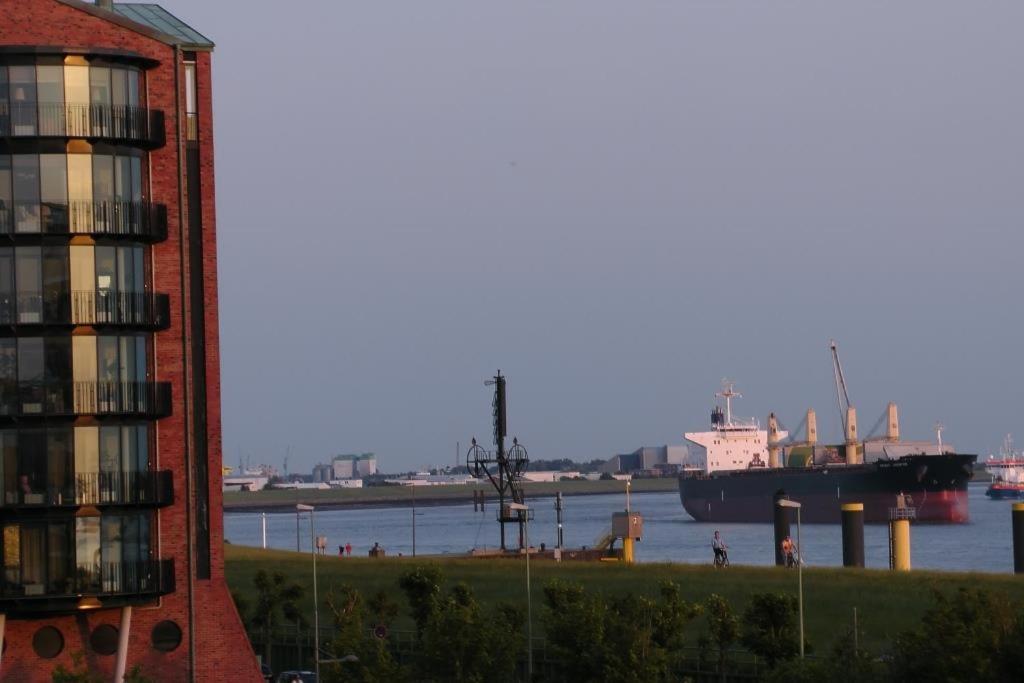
<point x="631" y="638"/>
<point x="842" y="665"/>
<point x="458" y="640"/>
<point x="422" y="588"/>
<point x="723" y="628"/>
<point x="671" y="617"/>
<point x="275" y="603"/>
<point x="770" y="627"/>
<point x="575" y="626"/>
<point x="966" y="637"/>
<point x="374" y="662"/>
<point x="79" y="673"/>
<point x="461" y="643"/>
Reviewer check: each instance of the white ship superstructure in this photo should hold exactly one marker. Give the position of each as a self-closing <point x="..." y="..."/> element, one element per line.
<point x="1009" y="467"/>
<point x="732" y="443"/>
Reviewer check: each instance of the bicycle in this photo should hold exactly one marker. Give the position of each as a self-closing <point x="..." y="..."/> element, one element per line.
<point x="722" y="558"/>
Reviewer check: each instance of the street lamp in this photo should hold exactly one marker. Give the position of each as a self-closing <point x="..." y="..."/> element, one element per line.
<point x="786" y="503"/>
<point x="524" y="510"/>
<point x="300" y="508"/>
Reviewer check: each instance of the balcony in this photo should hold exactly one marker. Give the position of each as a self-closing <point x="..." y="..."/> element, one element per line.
<point x="138" y="310"/>
<point x="123" y="124"/>
<point x="60" y="586"/>
<point x="147" y="400"/>
<point x="135" y="220"/>
<point x="131" y="309"/>
<point x="150" y="489"/>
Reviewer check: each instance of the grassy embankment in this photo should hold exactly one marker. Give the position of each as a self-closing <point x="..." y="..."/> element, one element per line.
<point x="886" y="603"/>
<point x="425" y="495"/>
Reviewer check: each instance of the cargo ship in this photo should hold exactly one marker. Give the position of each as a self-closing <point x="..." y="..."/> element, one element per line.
<point x="1007" y="473"/>
<point x="737" y="469"/>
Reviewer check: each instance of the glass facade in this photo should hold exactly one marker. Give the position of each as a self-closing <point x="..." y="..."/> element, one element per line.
<point x="69" y="193"/>
<point x="91" y="553"/>
<point x="43" y="100"/>
<point x="78" y="479"/>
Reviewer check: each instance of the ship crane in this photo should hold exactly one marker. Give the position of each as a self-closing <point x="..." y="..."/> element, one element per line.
<point x="847" y="412"/>
<point x="842" y="395"/>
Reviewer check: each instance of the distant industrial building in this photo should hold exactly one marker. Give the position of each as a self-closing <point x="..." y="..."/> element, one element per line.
<point x="427" y="479"/>
<point x="352" y="466"/>
<point x="245" y="482"/>
<point x="664" y="459"/>
<point x="323" y="473"/>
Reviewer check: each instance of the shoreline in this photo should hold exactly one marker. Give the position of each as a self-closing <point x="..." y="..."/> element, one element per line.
<point x="400" y="497"/>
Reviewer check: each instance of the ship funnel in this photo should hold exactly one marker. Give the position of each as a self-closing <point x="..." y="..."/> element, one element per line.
<point x="773" y="441"/>
<point x="893" y="421"/>
<point x="812" y="427"/>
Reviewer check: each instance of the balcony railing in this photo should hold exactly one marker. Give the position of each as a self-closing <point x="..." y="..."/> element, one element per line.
<point x="66" y="399"/>
<point x="59" y="580"/>
<point x="104" y="308"/>
<point x="135" y="309"/>
<point x="94" y="488"/>
<point x="116" y="122"/>
<point x="137" y="220"/>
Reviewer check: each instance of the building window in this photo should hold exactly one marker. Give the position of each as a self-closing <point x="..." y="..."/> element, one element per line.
<point x="22" y="99"/>
<point x="48" y="642"/>
<point x="59" y="100"/>
<point x="58" y="193"/>
<point x="166" y="636"/>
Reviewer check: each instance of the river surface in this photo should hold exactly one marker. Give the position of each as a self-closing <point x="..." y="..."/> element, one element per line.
<point x="670" y="535"/>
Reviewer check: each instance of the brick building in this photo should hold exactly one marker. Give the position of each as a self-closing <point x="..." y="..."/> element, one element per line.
<point x="110" y="443"/>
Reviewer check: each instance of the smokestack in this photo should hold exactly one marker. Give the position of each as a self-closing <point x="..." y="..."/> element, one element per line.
<point x="105" y="4"/>
<point x="812" y="427"/>
<point x="893" y="429"/>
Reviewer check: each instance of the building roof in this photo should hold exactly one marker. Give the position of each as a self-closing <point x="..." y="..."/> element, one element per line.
<point x="148" y="19"/>
<point x="156" y="17"/>
<point x="355" y="457"/>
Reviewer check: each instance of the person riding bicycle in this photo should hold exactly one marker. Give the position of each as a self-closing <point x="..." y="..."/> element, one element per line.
<point x="719" y="546"/>
<point x="787" y="551"/>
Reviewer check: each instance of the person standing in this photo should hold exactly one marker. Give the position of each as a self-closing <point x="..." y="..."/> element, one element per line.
<point x="348" y="549"/>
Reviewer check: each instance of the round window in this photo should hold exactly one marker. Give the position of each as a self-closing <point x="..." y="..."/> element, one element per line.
<point x="166" y="636"/>
<point x="104" y="639"/>
<point x="48" y="642"/>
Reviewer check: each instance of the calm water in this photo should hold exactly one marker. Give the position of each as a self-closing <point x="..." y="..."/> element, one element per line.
<point x="669" y="534"/>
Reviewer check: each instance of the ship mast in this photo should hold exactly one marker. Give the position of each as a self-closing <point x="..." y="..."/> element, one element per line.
<point x="728" y="394"/>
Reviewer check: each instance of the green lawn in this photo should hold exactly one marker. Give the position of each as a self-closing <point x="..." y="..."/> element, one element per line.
<point x="235" y="501"/>
<point x="886" y="602"/>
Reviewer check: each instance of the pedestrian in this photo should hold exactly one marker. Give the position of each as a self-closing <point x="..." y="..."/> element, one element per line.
<point x="348" y="549"/>
<point x="341" y="551"/>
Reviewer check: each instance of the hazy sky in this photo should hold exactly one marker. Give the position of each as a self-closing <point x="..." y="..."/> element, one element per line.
<point x="617" y="204"/>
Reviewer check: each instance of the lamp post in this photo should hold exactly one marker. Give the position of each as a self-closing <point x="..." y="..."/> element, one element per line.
<point x="786" y="503"/>
<point x="525" y="511"/>
<point x="300" y="508"/>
